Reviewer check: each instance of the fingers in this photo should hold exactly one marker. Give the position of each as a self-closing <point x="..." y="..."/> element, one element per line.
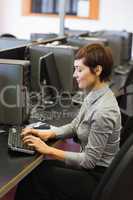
<point x="28" y="139"/>
<point x="28" y="131"/>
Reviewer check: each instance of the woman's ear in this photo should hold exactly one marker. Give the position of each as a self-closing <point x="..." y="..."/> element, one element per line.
<point x="98" y="70"/>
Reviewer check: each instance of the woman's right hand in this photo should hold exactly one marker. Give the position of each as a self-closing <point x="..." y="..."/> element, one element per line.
<point x="44" y="135"/>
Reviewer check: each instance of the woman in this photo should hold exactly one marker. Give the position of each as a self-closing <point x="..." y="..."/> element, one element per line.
<point x="72" y="175"/>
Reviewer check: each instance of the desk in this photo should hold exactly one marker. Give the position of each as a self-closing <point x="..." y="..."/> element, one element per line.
<point x="14" y="167"/>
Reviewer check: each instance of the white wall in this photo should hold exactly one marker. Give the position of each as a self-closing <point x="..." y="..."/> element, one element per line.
<point x="114" y="14"/>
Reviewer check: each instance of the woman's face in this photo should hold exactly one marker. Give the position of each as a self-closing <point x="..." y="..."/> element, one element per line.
<point x="85" y="78"/>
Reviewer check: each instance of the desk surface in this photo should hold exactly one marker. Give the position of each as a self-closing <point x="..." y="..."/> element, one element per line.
<point x="15" y="166"/>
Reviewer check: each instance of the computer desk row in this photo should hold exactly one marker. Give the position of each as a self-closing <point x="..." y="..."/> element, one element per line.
<point x="15" y="166"/>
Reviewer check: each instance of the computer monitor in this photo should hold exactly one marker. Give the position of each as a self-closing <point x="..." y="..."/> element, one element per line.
<point x="64" y="59"/>
<point x="82" y="41"/>
<point x="37" y="69"/>
<point x="127" y="45"/>
<point x="49" y="74"/>
<point x="44" y="36"/>
<point x="13" y="53"/>
<point x="120" y="42"/>
<point x="8" y="43"/>
<point x="125" y="39"/>
<point x="14" y="86"/>
<point x="72" y="32"/>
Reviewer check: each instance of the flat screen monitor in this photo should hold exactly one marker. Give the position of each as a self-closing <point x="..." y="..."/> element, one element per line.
<point x="49" y="73"/>
<point x="64" y="59"/>
<point x="120" y="42"/>
<point x="127" y="46"/>
<point x="13" y="53"/>
<point x="83" y="41"/>
<point x="36" y="71"/>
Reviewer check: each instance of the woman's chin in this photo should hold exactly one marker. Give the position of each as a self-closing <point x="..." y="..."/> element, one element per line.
<point x="81" y="86"/>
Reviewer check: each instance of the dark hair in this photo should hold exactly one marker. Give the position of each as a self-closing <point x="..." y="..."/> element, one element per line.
<point x="97" y="54"/>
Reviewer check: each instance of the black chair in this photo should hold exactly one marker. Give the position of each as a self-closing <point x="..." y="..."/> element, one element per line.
<point x="117" y="181"/>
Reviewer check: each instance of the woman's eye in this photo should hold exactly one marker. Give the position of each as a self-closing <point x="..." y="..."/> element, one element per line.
<point x="79" y="70"/>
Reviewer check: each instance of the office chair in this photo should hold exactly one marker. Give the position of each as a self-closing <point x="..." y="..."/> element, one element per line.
<point x="118" y="179"/>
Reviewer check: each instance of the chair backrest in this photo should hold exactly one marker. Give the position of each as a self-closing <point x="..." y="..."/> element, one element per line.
<point x="118" y="179"/>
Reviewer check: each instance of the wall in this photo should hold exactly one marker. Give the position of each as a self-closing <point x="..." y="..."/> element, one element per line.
<point x="114" y="14"/>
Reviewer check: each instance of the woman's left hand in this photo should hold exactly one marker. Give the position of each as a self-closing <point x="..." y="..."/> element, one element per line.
<point x="37" y="144"/>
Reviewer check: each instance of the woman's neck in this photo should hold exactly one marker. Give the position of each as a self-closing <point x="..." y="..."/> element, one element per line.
<point x="97" y="86"/>
<point x="100" y="85"/>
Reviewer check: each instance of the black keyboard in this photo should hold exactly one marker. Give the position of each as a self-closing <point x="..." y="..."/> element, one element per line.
<point x="15" y="142"/>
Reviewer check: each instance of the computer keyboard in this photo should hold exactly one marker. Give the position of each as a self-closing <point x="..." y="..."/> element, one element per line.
<point x="15" y="142"/>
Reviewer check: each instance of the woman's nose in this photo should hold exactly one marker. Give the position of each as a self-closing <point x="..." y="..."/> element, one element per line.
<point x="75" y="73"/>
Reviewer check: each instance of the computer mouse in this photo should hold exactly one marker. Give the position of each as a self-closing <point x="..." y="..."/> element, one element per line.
<point x="42" y="126"/>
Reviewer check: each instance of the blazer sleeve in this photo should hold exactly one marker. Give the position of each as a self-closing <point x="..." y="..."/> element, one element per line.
<point x="69" y="130"/>
<point x="66" y="131"/>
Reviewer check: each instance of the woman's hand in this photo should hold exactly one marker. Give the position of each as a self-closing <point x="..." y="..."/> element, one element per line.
<point x="44" y="135"/>
<point x="37" y="144"/>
